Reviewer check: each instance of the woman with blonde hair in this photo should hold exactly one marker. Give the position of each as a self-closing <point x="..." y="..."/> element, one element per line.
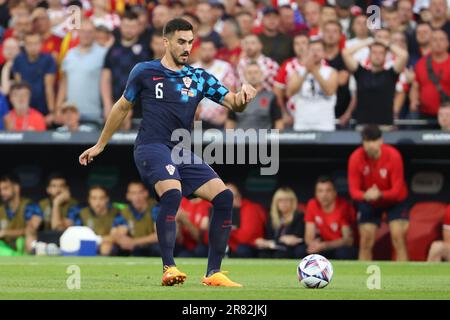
<point x="285" y="230"/>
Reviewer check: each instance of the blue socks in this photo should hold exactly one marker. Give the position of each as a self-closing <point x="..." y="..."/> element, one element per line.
<point x="219" y="230"/>
<point x="166" y="227"/>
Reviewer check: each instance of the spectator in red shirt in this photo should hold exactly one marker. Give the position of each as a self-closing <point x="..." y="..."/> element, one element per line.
<point x="22" y="117"/>
<point x="328" y="229"/>
<point x="248" y="225"/>
<point x="440" y="250"/>
<point x="426" y="96"/>
<point x="285" y="229"/>
<point x="377" y="184"/>
<point x="193" y="222"/>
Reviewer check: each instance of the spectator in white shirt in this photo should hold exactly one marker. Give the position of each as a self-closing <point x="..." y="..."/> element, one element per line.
<point x="314" y="89"/>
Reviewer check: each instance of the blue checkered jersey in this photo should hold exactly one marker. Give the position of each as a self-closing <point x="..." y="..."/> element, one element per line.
<point x="169" y="98"/>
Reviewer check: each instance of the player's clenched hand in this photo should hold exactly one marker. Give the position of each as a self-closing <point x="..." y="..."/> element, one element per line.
<point x="89" y="155"/>
<point x="248" y="93"/>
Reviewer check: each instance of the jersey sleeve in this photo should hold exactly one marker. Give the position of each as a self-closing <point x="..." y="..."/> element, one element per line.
<point x="134" y="84"/>
<point x="73" y="214"/>
<point x="119" y="221"/>
<point x="213" y="88"/>
<point x="33" y="210"/>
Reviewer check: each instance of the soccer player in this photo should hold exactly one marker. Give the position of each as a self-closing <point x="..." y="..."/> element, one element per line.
<point x="377" y="185"/>
<point x="170" y="91"/>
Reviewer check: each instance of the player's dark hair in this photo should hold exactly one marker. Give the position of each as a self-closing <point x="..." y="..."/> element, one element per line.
<point x="19" y="86"/>
<point x="14" y="179"/>
<point x="98" y="187"/>
<point x="371" y="132"/>
<point x="174" y="25"/>
<point x="325" y="179"/>
<point x="55" y="176"/>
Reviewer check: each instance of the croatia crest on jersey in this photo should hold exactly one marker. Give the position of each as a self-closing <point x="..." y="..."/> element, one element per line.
<point x="170" y="169"/>
<point x="187" y="82"/>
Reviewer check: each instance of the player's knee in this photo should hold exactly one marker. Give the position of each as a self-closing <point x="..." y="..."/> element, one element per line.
<point x="171" y="200"/>
<point x="224" y="200"/>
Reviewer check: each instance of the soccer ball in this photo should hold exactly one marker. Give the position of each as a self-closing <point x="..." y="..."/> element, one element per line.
<point x="315" y="271"/>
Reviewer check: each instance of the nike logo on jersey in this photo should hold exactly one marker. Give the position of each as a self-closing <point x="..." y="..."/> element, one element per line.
<point x="157" y="78"/>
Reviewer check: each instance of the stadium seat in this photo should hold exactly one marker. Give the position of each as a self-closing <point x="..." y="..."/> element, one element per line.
<point x="425" y="226"/>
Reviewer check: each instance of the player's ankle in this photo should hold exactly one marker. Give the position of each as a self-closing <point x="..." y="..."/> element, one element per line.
<point x="165" y="267"/>
<point x="212" y="272"/>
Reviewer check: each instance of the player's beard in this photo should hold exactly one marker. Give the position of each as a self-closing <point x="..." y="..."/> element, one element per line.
<point x="177" y="59"/>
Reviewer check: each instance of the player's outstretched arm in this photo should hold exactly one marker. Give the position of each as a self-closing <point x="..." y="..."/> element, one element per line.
<point x="115" y="119"/>
<point x="237" y="102"/>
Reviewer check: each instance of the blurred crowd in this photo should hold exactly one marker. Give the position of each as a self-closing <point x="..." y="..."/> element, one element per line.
<point x="318" y="65"/>
<point x="327" y="224"/>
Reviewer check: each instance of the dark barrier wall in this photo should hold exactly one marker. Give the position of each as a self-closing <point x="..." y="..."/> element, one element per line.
<point x="303" y="157"/>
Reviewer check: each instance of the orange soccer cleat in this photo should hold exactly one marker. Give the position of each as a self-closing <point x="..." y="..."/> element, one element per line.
<point x="172" y="276"/>
<point x="219" y="279"/>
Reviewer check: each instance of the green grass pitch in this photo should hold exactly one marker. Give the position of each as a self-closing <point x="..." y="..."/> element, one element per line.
<point x="139" y="278"/>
